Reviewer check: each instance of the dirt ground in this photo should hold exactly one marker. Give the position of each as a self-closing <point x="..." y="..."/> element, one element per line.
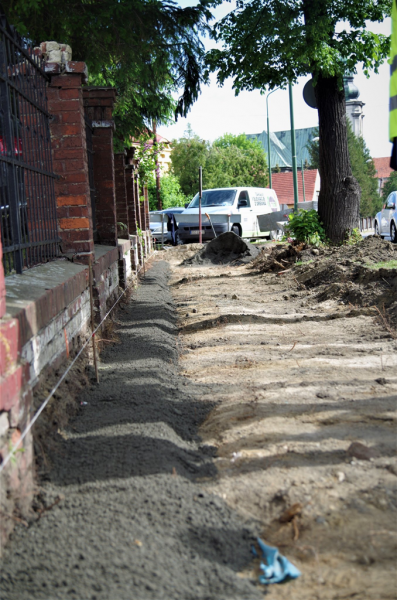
<point x="306" y="389"/>
<point x="239" y="402"/>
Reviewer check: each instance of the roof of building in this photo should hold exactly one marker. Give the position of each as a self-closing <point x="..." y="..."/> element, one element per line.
<point x="280" y="146"/>
<point x="283" y="184"/>
<point x="149" y="141"/>
<point x="382" y="166"/>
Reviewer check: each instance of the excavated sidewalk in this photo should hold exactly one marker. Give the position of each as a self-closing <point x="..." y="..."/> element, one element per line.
<point x="237" y="404"/>
<point x="134" y="521"/>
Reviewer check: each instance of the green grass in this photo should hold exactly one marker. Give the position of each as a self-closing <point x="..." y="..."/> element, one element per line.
<point x="390" y="264"/>
<point x="303" y="262"/>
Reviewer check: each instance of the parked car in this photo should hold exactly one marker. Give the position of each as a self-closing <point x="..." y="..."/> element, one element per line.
<point x="247" y="202"/>
<point x="386" y="219"/>
<point x="155" y="228"/>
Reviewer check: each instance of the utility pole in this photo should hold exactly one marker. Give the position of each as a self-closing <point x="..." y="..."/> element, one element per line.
<point x="156" y="162"/>
<point x="293" y="148"/>
<point x="200" y="197"/>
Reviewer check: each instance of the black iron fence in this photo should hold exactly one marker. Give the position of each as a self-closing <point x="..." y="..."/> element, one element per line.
<point x="27" y="199"/>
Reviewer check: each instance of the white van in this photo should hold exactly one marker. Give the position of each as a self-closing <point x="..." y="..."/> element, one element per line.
<point x="247" y="202"/>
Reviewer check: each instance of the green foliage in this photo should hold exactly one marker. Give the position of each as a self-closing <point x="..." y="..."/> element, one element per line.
<point x="305" y="226"/>
<point x="363" y="170"/>
<point x="188" y="154"/>
<point x="146" y="153"/>
<point x="389" y="264"/>
<point x="170" y="192"/>
<point x="354" y="237"/>
<point x="273" y="42"/>
<point x="147" y="49"/>
<point x="390" y="185"/>
<point x="232" y="160"/>
<point x="313" y="148"/>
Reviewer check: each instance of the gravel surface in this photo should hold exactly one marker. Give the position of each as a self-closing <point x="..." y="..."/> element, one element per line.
<point x="134" y="522"/>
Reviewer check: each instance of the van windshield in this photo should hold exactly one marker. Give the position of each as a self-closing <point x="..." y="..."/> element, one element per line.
<point x="214" y="198"/>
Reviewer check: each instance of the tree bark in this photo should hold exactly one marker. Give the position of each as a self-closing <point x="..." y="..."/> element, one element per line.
<point x="339" y="199"/>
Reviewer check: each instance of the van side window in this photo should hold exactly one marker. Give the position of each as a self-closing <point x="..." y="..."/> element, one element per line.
<point x="244" y="196"/>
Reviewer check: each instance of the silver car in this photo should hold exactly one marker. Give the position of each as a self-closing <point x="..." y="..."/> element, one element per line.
<point x="155" y="228"/>
<point x="386" y="219"/>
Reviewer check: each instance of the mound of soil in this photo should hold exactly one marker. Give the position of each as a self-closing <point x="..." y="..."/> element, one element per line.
<point x="224" y="249"/>
<point x="278" y="258"/>
<point x="349" y="274"/>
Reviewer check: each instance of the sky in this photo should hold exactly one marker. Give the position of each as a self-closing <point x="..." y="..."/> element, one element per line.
<point x="218" y="111"/>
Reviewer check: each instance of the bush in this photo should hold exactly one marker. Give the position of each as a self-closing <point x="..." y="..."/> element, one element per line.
<point x="170" y="192"/>
<point x="305" y="226"/>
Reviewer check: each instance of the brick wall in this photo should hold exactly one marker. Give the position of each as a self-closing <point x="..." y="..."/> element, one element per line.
<point x="16" y="480"/>
<point x="98" y="106"/>
<point x="123" y="226"/>
<point x="69" y="152"/>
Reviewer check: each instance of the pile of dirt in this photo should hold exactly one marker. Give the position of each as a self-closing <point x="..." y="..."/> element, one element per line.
<point x="225" y="249"/>
<point x="279" y="258"/>
<point x="361" y="275"/>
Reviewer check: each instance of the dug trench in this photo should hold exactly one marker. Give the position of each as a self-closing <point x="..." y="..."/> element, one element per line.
<point x="128" y="515"/>
<point x="236" y="404"/>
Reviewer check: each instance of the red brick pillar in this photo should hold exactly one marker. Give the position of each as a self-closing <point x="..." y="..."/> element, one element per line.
<point x="142" y="211"/>
<point x="121" y="196"/>
<point x="146" y="208"/>
<point x="69" y="152"/>
<point x="98" y="104"/>
<point x="137" y="200"/>
<point x="16" y="480"/>
<point x="131" y="205"/>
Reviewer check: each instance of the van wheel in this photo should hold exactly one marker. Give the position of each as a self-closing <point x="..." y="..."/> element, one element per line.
<point x="236" y="230"/>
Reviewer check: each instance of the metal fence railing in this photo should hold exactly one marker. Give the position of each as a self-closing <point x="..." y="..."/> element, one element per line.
<point x="366" y="223"/>
<point x="27" y="198"/>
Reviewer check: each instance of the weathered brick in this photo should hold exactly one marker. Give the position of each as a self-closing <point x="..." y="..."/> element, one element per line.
<point x="73" y="66"/>
<point x="71" y="200"/>
<point x="61" y="106"/>
<point x="74" y="80"/>
<point x="76" y="235"/>
<point x="71" y="94"/>
<point x="8" y="344"/>
<point x="78" y="211"/>
<point x="69" y="153"/>
<point x="74" y="223"/>
<point x="10" y="386"/>
<point x="72" y="129"/>
<point x="71" y="178"/>
<point x="74" y="165"/>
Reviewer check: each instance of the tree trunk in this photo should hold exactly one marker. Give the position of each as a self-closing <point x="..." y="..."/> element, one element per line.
<point x="339" y="199"/>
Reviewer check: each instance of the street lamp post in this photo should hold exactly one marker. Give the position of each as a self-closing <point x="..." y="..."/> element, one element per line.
<point x="293" y="148"/>
<point x="268" y="137"/>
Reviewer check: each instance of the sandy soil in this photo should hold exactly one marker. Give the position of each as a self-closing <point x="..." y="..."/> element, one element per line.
<point x="129" y="517"/>
<point x="300" y="382"/>
<point x="236" y="404"/>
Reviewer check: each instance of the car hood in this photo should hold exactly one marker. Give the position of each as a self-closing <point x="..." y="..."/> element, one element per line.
<point x="211" y="210"/>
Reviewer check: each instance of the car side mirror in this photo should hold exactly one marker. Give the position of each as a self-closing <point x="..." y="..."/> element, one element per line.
<point x="242" y="203"/>
<point x="187" y="204"/>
